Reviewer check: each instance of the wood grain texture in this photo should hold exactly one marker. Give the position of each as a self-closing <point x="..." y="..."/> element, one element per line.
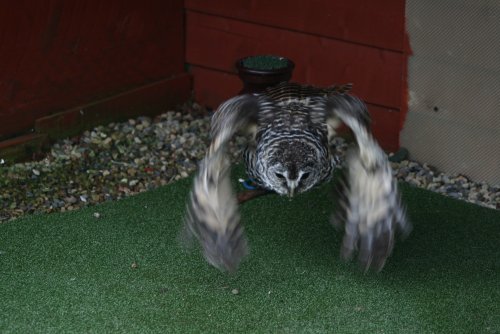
<point x="376" y="23"/>
<point x="23" y="147"/>
<point x="149" y="100"/>
<point x="212" y="87"/>
<point x="216" y="42"/>
<point x="56" y="54"/>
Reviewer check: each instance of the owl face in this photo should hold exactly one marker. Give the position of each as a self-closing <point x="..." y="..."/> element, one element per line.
<point x="293" y="167"/>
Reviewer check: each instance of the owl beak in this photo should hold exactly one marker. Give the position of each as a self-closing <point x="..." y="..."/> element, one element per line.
<point x="292" y="185"/>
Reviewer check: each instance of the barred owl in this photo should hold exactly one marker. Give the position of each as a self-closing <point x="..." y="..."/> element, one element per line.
<point x="290" y="129"/>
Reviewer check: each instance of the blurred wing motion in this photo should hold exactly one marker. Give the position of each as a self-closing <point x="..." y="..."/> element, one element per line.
<point x="212" y="213"/>
<point x="372" y="212"/>
<point x="291" y="128"/>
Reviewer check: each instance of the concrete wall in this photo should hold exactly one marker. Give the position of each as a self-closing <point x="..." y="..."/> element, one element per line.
<point x="453" y="121"/>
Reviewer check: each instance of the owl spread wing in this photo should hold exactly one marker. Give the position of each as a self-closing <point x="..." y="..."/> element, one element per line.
<point x="372" y="209"/>
<point x="373" y="212"/>
<point x="212" y="213"/>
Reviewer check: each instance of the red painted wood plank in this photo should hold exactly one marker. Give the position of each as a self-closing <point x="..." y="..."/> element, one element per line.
<point x="212" y="87"/>
<point x="150" y="99"/>
<point x="24" y="147"/>
<point x="404" y="87"/>
<point x="56" y="54"/>
<point x="385" y="126"/>
<point x="216" y="42"/>
<point x="375" y="23"/>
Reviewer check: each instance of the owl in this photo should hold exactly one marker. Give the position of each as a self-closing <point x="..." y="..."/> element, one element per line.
<point x="290" y="128"/>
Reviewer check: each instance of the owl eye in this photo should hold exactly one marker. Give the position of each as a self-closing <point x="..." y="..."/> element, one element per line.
<point x="280" y="176"/>
<point x="304" y="176"/>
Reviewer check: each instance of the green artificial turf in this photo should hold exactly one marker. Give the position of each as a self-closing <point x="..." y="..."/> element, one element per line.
<point x="73" y="272"/>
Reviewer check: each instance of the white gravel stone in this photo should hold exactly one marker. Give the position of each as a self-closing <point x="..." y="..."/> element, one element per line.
<point x="121" y="159"/>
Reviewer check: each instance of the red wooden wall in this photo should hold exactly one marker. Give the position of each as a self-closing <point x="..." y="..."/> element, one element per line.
<point x="68" y="64"/>
<point x="100" y="57"/>
<point x="330" y="41"/>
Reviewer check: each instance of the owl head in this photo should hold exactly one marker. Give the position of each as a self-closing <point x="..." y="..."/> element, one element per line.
<point x="293" y="166"/>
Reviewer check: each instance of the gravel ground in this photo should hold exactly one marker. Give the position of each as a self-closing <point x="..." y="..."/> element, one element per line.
<point x="121" y="159"/>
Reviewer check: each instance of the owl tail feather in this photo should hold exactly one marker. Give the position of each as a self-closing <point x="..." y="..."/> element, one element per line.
<point x="212" y="210"/>
<point x="370" y="199"/>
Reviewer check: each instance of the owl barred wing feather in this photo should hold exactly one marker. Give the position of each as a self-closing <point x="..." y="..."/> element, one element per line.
<point x="212" y="213"/>
<point x="291" y="127"/>
<point x="290" y="90"/>
<point x="373" y="210"/>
